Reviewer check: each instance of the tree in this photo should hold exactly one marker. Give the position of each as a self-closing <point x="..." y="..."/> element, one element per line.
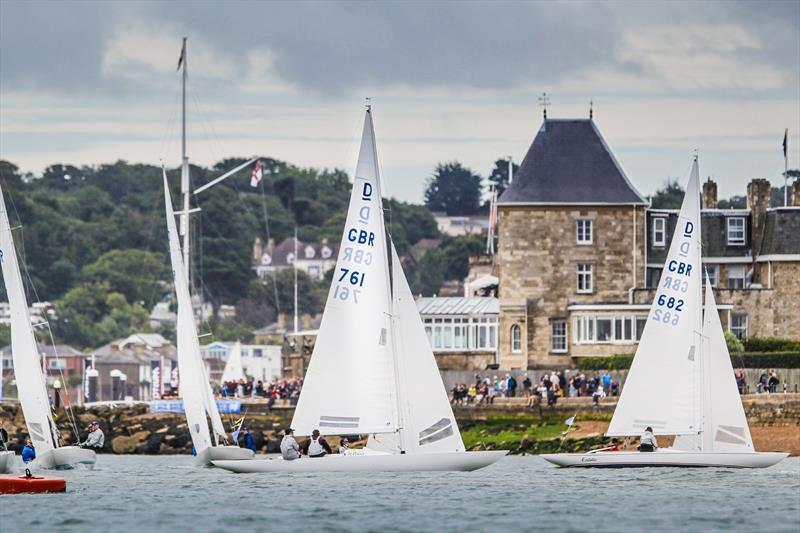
<point x="138" y="275"/>
<point x="454" y="189"/>
<point x="668" y="197"/>
<point x="499" y="175"/>
<point x="450" y="261"/>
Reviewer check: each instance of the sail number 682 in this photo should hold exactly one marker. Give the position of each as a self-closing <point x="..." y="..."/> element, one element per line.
<point x="667" y="317"/>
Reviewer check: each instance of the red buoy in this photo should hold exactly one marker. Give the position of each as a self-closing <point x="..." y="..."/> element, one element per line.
<point x="28" y="483"/>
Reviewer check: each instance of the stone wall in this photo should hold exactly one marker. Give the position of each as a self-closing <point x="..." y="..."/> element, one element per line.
<point x="537" y="264"/>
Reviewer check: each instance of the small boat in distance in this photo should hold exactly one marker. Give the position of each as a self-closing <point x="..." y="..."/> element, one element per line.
<point x="703" y="409"/>
<point x="31" y="388"/>
<point x="372" y="371"/>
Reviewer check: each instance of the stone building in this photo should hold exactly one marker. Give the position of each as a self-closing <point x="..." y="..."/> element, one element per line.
<point x="579" y="250"/>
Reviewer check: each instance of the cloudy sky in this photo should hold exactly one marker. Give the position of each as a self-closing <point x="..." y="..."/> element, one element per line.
<point x="88" y="83"/>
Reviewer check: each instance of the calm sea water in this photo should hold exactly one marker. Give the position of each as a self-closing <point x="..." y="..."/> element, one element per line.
<point x="140" y="493"/>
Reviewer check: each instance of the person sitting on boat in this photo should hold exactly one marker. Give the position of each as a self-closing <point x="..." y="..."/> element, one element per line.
<point x="3" y="437"/>
<point x="648" y="441"/>
<point x="28" y="453"/>
<point x="290" y="450"/>
<point x="96" y="438"/>
<point x="344" y="445"/>
<point x="316" y="446"/>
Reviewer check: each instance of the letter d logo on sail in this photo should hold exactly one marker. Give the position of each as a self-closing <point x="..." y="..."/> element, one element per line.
<point x="366" y="192"/>
<point x="688" y="229"/>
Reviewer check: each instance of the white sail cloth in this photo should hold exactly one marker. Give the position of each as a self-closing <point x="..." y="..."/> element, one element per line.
<point x="31" y="388"/>
<point x="661" y="389"/>
<point x="192" y="376"/>
<point x="233" y="366"/>
<point x="349" y="386"/>
<point x="725" y="427"/>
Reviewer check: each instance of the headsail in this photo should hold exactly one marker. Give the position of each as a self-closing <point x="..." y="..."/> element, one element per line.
<point x="233" y="366"/>
<point x="428" y="422"/>
<point x="661" y="388"/>
<point x="725" y="427"/>
<point x="349" y="386"/>
<point x="192" y="376"/>
<point x="31" y="388"/>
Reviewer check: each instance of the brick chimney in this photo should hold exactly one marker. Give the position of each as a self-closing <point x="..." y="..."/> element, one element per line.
<point x="710" y="194"/>
<point x="796" y="193"/>
<point x="758" y="200"/>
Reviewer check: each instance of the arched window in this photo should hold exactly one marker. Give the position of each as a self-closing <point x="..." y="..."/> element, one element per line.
<point x="516" y="338"/>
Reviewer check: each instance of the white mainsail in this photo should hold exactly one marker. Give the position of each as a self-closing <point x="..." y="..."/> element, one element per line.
<point x="662" y="386"/>
<point x="233" y="366"/>
<point x="725" y="426"/>
<point x="192" y="375"/>
<point x="31" y="388"/>
<point x="350" y="385"/>
<point x="428" y="422"/>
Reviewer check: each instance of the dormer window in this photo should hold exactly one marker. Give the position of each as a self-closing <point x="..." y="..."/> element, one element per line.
<point x="583" y="231"/>
<point x="266" y="259"/>
<point x="736" y="231"/>
<point x="326" y="252"/>
<point x="309" y="252"/>
<point x="290" y="258"/>
<point x="659" y="232"/>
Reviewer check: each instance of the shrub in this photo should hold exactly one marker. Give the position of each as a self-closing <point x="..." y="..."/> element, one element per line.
<point x="610" y="362"/>
<point x="786" y="359"/>
<point x="771" y="344"/>
<point x="733" y="342"/>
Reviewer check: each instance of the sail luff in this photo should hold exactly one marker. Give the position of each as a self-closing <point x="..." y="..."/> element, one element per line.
<point x="192" y="377"/>
<point x="28" y="373"/>
<point x="668" y="347"/>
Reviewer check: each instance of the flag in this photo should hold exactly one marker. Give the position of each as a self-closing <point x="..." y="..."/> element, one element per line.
<point x="255" y="178"/>
<point x="785" y="142"/>
<point x="183" y="54"/>
<point x="569" y="423"/>
<point x="236" y="426"/>
<point x="53" y="410"/>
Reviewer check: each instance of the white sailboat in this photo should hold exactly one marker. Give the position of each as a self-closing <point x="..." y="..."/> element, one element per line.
<point x="372" y="371"/>
<point x="234" y="371"/>
<point x="198" y="398"/>
<point x="701" y="406"/>
<point x="28" y="373"/>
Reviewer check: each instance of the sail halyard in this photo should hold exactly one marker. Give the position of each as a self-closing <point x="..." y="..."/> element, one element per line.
<point x="31" y="388"/>
<point x="669" y="344"/>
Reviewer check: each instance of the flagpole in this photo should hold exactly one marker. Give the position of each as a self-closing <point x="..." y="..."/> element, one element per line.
<point x="786" y="168"/>
<point x="295" y="284"/>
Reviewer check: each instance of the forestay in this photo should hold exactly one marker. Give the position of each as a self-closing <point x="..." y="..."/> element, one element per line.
<point x="349" y="386"/>
<point x="27" y="362"/>
<point x="661" y="388"/>
<point x="725" y="427"/>
<point x="428" y="422"/>
<point x="192" y="379"/>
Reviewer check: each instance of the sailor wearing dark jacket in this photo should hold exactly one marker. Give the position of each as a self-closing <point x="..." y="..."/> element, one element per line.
<point x="316" y="446"/>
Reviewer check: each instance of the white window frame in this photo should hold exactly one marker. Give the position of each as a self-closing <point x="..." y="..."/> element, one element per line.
<point x="516" y="339"/>
<point x="736" y="241"/>
<point x="589" y="273"/>
<point x="554" y="336"/>
<point x="610" y="320"/>
<point x="580" y="233"/>
<point x="743" y="277"/>
<point x="741" y="330"/>
<point x="659" y="242"/>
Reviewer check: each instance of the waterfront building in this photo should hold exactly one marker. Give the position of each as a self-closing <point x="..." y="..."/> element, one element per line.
<point x="259" y="361"/>
<point x="580" y="251"/>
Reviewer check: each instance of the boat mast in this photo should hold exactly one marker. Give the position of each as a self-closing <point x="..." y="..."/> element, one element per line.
<point x="295" y="285"/>
<point x="185" y="172"/>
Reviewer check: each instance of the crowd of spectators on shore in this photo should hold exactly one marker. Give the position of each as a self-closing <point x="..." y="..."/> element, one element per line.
<point x="550" y="387"/>
<point x="287" y="390"/>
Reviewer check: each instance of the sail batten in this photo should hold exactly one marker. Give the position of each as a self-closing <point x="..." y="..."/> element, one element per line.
<point x="31" y="388"/>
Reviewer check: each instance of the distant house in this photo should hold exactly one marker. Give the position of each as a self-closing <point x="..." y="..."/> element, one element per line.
<point x="39" y="312"/>
<point x="455" y="226"/>
<point x="315" y="259"/>
<point x="141" y="357"/>
<point x="59" y="360"/>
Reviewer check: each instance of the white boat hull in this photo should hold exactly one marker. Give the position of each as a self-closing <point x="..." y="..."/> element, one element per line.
<point x="223" y="453"/>
<point x="666" y="458"/>
<point x="418" y="462"/>
<point x="7" y="461"/>
<point x="66" y="458"/>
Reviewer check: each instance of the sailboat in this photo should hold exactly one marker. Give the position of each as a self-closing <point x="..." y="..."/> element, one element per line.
<point x="198" y="398"/>
<point x="372" y="371"/>
<point x="234" y="371"/>
<point x="28" y="372"/>
<point x="701" y="406"/>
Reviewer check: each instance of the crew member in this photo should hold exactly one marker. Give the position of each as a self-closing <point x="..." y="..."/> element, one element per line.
<point x="28" y="453"/>
<point x="344" y="445"/>
<point x="316" y="446"/>
<point x="290" y="450"/>
<point x="96" y="438"/>
<point x="648" y="441"/>
<point x="3" y="437"/>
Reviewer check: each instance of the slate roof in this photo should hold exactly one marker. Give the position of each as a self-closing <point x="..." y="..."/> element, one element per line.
<point x="60" y="350"/>
<point x="569" y="163"/>
<point x="470" y="305"/>
<point x="782" y="231"/>
<point x="283" y="254"/>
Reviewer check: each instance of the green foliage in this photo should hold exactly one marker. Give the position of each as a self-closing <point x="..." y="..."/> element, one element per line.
<point x="5" y="335"/>
<point x="138" y="274"/>
<point x="668" y="197"/>
<point x="733" y="342"/>
<point x="499" y="175"/>
<point x="734" y="202"/>
<point x="611" y="362"/>
<point x="450" y="261"/>
<point x="228" y="331"/>
<point x="454" y="189"/>
<point x="771" y="344"/>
